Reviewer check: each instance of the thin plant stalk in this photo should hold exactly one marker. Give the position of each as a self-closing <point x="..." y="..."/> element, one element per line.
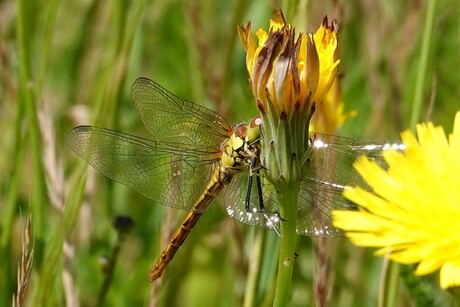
<point x="123" y="225"/>
<point x="389" y="283"/>
<point x="47" y="283"/>
<point x="423" y="63"/>
<point x="323" y="249"/>
<point x="11" y="206"/>
<point x="28" y="96"/>
<point x="255" y="262"/>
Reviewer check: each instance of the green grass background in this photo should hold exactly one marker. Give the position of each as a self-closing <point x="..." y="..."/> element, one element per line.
<point x="65" y="63"/>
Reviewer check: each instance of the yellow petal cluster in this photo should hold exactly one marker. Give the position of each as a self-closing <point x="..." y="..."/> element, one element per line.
<point x="330" y="113"/>
<point x="413" y="213"/>
<point x="288" y="72"/>
<point x="326" y="47"/>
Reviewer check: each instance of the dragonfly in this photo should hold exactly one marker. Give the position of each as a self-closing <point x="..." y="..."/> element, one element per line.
<point x="192" y="154"/>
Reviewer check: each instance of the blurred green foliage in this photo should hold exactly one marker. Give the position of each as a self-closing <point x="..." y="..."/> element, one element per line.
<point x="69" y="63"/>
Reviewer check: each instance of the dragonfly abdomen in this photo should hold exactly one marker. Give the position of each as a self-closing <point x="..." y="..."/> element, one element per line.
<point x="189" y="222"/>
<point x="174" y="244"/>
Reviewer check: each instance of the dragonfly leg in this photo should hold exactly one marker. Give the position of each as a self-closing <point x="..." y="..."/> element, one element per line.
<point x="280" y="217"/>
<point x="253" y="167"/>
<point x="248" y="193"/>
<point x="259" y="191"/>
<point x="247" y="203"/>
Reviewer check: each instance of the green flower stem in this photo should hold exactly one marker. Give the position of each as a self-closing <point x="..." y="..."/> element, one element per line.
<point x="254" y="268"/>
<point x="456" y="299"/>
<point x="422" y="65"/>
<point x="287" y="197"/>
<point x="389" y="283"/>
<point x="10" y="208"/>
<point x="455" y="292"/>
<point x="24" y="26"/>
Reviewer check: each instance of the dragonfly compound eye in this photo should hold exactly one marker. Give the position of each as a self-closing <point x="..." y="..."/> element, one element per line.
<point x="253" y="132"/>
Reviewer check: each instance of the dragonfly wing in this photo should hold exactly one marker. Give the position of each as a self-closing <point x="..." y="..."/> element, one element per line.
<point x="168" y="173"/>
<point x="313" y="216"/>
<point x="329" y="171"/>
<point x="172" y="119"/>
<point x="235" y="202"/>
<point x="316" y="201"/>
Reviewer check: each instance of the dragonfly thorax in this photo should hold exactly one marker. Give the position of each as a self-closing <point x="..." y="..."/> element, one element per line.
<point x="242" y="147"/>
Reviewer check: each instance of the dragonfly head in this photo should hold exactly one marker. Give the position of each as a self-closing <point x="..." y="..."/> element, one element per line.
<point x="248" y="133"/>
<point x="242" y="145"/>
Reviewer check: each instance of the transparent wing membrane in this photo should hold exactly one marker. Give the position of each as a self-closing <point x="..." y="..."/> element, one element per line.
<point x="169" y="174"/>
<point x="171" y="119"/>
<point x="235" y="202"/>
<point x="329" y="171"/>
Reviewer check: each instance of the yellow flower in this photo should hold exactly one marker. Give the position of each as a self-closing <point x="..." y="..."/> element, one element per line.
<point x="326" y="46"/>
<point x="289" y="75"/>
<point x="329" y="114"/>
<point x="413" y="213"/>
<point x="289" y="71"/>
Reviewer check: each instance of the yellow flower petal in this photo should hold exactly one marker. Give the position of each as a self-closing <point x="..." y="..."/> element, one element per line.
<point x="326" y="46"/>
<point x="330" y="113"/>
<point x="412" y="213"/>
<point x="450" y="274"/>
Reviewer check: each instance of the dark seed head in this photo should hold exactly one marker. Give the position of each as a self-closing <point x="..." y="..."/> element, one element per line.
<point x="123" y="224"/>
